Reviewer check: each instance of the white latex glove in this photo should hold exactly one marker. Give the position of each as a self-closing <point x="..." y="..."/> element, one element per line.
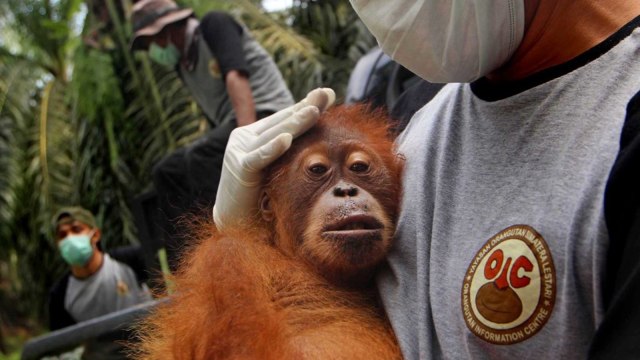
<point x="253" y="147"/>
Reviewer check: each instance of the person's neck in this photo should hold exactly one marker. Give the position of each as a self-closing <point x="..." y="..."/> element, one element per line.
<point x="94" y="264"/>
<point x="563" y="29"/>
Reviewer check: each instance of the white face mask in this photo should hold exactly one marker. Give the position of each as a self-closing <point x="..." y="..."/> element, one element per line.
<point x="445" y="40"/>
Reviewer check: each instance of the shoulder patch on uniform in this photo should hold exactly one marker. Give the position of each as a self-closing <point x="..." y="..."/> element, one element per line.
<point x="122" y="288"/>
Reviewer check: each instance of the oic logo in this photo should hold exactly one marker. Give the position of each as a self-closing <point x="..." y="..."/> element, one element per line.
<point x="509" y="290"/>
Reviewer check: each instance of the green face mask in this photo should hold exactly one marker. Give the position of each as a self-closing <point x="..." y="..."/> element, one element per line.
<point x="76" y="250"/>
<point x="167" y="56"/>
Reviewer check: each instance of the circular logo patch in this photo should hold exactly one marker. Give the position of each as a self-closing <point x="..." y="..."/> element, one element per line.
<point x="509" y="289"/>
<point x="214" y="69"/>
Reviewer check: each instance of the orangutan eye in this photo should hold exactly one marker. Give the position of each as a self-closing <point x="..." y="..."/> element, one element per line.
<point x="359" y="167"/>
<point x="318" y="169"/>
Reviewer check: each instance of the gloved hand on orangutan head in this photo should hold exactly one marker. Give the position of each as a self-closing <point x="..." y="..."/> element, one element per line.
<point x="253" y="147"/>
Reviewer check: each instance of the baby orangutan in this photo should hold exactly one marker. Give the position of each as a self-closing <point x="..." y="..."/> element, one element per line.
<point x="299" y="284"/>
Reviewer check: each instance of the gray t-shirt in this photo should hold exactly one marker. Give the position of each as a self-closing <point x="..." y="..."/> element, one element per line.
<point x="113" y="287"/>
<point x="501" y="240"/>
<point x="206" y="79"/>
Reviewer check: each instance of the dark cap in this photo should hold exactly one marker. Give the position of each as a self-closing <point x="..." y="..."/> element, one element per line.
<point x="71" y="213"/>
<point x="149" y="17"/>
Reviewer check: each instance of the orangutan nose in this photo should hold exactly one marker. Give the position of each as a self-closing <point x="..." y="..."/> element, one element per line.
<point x="343" y="189"/>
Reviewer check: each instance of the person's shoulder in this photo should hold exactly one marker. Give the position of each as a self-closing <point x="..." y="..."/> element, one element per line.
<point x="60" y="286"/>
<point x="131" y="256"/>
<point x="125" y="254"/>
<point x="217" y="15"/>
<point x="631" y="129"/>
<point x="217" y="18"/>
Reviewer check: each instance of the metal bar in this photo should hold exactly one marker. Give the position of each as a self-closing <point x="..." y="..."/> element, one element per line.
<point x="75" y="335"/>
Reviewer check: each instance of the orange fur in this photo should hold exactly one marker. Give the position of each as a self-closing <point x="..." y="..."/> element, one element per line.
<point x="242" y="295"/>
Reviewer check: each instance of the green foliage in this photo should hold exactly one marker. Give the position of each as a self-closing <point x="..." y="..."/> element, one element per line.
<point x="340" y="37"/>
<point x="16" y="107"/>
<point x="46" y="29"/>
<point x="22" y="234"/>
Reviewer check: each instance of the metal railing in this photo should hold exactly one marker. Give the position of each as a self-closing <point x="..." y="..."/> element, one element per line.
<point x="67" y="338"/>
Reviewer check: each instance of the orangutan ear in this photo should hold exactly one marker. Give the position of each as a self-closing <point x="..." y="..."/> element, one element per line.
<point x="265" y="207"/>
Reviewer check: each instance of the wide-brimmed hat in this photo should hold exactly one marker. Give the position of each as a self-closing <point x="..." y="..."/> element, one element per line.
<point x="149" y="17"/>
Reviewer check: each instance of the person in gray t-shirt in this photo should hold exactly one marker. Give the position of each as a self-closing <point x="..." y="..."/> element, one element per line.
<point x="232" y="78"/>
<point x="97" y="282"/>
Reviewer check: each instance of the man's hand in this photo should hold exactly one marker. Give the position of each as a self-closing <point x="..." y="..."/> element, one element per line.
<point x="253" y="147"/>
